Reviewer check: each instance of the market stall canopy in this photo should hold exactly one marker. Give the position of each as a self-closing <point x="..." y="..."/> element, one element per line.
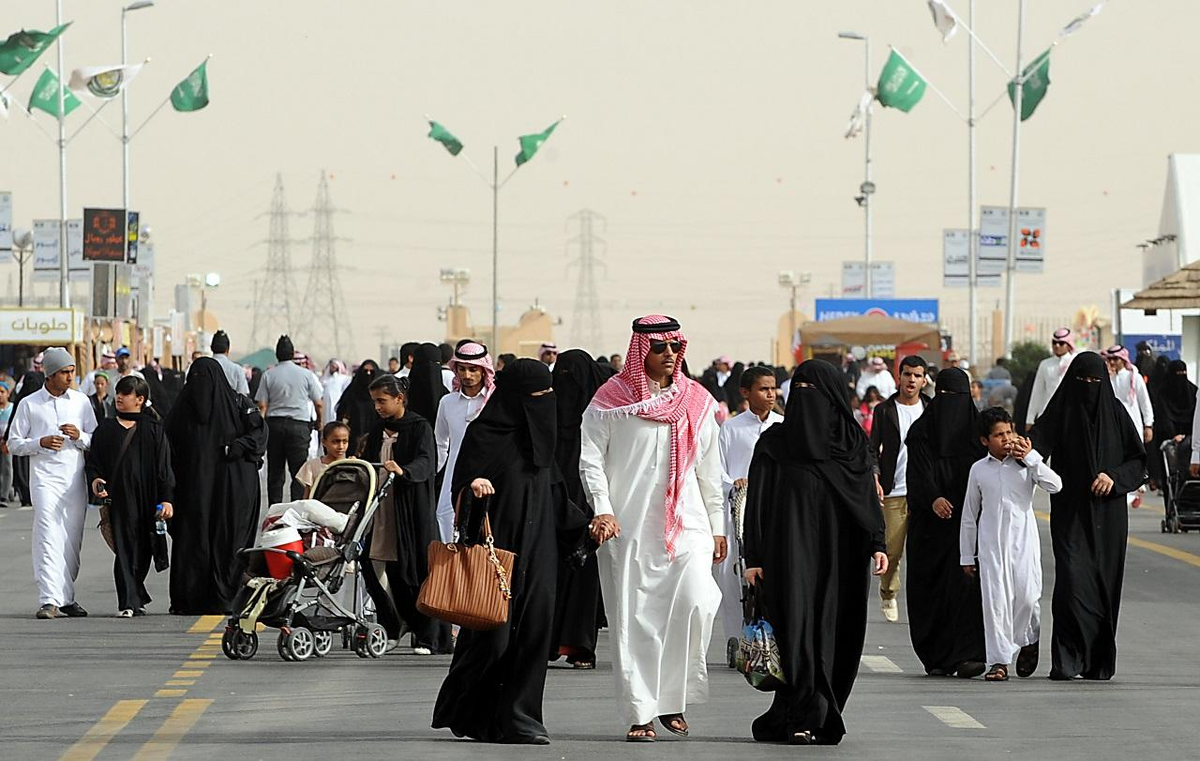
<point x="1180" y="290"/>
<point x="867" y="330"/>
<point x="262" y="359"/>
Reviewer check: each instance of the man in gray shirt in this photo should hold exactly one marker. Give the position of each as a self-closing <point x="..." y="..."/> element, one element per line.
<point x="284" y="397"/>
<point x="233" y="371"/>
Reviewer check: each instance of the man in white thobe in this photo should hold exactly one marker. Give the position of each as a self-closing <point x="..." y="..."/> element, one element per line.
<point x="999" y="537"/>
<point x="650" y="464"/>
<point x="53" y="428"/>
<point x="738" y="437"/>
<point x="878" y="375"/>
<point x="1130" y="389"/>
<point x="1050" y="373"/>
<point x="473" y="381"/>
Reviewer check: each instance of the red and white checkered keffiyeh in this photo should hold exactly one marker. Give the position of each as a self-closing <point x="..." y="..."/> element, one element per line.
<point x="475" y="355"/>
<point x="684" y="405"/>
<point x="1121" y="353"/>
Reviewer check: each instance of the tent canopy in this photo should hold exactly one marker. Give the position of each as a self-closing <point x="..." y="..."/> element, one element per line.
<point x="1179" y="290"/>
<point x="262" y="359"/>
<point x="869" y="329"/>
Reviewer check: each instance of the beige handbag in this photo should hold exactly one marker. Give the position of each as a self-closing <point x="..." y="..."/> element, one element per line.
<point x="468" y="585"/>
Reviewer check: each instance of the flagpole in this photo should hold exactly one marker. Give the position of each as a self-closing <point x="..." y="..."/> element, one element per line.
<point x="64" y="291"/>
<point x="868" y="188"/>
<point x="496" y="350"/>
<point x="1010" y="295"/>
<point x="972" y="238"/>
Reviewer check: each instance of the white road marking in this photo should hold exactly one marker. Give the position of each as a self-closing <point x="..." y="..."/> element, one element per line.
<point x="953" y="716"/>
<point x="881" y="664"/>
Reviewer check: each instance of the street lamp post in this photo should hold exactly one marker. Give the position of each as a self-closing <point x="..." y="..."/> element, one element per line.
<point x="867" y="189"/>
<point x="137" y="5"/>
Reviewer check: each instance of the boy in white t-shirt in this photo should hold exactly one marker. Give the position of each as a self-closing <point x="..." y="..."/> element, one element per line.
<point x="335" y="440"/>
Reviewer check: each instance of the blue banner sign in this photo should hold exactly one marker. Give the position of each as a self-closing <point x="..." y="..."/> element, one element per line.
<point x="913" y="310"/>
<point x="1163" y="345"/>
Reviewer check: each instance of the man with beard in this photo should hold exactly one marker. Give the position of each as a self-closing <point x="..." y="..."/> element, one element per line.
<point x="650" y="463"/>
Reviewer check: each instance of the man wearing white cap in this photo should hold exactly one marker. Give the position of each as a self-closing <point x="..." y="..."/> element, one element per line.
<point x="1050" y="373"/>
<point x="877" y="375"/>
<point x="53" y="428"/>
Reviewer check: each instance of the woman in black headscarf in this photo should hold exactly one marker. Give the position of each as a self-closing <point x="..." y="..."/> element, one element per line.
<point x="945" y="610"/>
<point x="355" y="408"/>
<point x="1174" y="399"/>
<point x="506" y="468"/>
<point x="425" y="387"/>
<point x="1091" y="442"/>
<point x="813" y="520"/>
<point x="31" y="383"/>
<point x="576" y="607"/>
<point x="217" y="439"/>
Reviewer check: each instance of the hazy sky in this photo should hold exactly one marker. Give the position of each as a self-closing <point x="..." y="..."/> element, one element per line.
<point x="709" y="134"/>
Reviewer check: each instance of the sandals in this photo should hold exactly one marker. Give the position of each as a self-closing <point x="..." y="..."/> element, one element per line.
<point x="641" y="733"/>
<point x="802" y="738"/>
<point x="674" y="723"/>
<point x="997" y="673"/>
<point x="584" y="665"/>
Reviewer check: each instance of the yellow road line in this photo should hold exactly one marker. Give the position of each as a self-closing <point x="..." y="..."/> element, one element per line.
<point x="197" y="664"/>
<point x="180" y="682"/>
<point x="181" y="720"/>
<point x="206" y="624"/>
<point x="170" y="693"/>
<point x="181" y="674"/>
<point x="201" y="657"/>
<point x="94" y="740"/>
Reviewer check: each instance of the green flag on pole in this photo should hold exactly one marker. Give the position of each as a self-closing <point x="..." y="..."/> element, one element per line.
<point x="45" y="95"/>
<point x="192" y="93"/>
<point x="443" y="136"/>
<point x="531" y="143"/>
<point x="22" y="48"/>
<point x="900" y="86"/>
<point x="1035" y="82"/>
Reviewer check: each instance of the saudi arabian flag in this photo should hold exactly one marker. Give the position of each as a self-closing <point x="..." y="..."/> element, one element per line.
<point x="1036" y="80"/>
<point x="900" y="86"/>
<point x="531" y="143"/>
<point x="443" y="136"/>
<point x="22" y="48"/>
<point x="45" y="95"/>
<point x="192" y="93"/>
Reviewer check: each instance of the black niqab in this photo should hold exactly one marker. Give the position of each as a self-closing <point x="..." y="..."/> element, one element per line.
<point x="1177" y="397"/>
<point x="950" y="417"/>
<point x="425" y="387"/>
<point x="355" y="406"/>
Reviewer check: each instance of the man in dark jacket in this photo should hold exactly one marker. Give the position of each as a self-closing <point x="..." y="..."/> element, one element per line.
<point x="893" y="418"/>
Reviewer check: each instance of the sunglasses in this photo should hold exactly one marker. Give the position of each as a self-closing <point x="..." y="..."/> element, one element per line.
<point x="1058" y="343"/>
<point x="658" y="347"/>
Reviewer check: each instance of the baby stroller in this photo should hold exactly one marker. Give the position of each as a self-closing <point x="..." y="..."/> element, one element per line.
<point x="1181" y="493"/>
<point x="304" y="607"/>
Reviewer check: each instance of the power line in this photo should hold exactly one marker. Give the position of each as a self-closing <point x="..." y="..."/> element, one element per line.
<point x="327" y="330"/>
<point x="585" y="322"/>
<point x="273" y="300"/>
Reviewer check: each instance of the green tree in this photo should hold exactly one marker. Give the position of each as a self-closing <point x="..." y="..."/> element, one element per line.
<point x="1025" y="358"/>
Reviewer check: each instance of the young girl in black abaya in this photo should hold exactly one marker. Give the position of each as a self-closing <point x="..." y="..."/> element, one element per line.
<point x="129" y="463"/>
<point x="1091" y="442"/>
<point x="406" y="521"/>
<point x="814" y="526"/>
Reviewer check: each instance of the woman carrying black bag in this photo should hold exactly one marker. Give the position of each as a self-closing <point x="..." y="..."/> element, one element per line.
<point x="813" y="521"/>
<point x="129" y="464"/>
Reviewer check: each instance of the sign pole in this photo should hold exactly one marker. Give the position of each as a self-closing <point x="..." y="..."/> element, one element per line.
<point x="1010" y="296"/>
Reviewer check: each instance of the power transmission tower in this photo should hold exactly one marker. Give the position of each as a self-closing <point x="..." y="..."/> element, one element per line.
<point x="585" y="322"/>
<point x="328" y="329"/>
<point x="275" y="300"/>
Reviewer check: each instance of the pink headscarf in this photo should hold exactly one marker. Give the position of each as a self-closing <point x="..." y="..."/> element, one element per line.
<point x="1120" y="352"/>
<point x="475" y="355"/>
<point x="684" y="405"/>
<point x="1066" y="336"/>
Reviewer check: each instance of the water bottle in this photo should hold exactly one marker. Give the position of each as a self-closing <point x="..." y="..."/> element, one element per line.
<point x="160" y="523"/>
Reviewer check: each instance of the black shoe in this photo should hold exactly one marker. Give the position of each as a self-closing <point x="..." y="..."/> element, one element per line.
<point x="970" y="669"/>
<point x="1027" y="660"/>
<point x="47" y="611"/>
<point x="137" y="612"/>
<point x="74" y="610"/>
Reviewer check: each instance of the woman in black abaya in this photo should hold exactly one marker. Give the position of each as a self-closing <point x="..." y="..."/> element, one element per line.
<point x="1174" y="399"/>
<point x="1091" y="442"/>
<point x="355" y="407"/>
<point x="506" y="468"/>
<point x="217" y="439"/>
<point x="813" y="522"/>
<point x="425" y="387"/>
<point x="945" y="610"/>
<point x="577" y="600"/>
<point x="31" y="383"/>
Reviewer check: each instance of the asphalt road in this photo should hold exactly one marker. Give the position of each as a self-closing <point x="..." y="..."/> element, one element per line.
<point x="158" y="687"/>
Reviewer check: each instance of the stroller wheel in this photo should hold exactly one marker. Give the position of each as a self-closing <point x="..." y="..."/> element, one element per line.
<point x="300" y="644"/>
<point x="229" y="643"/>
<point x="322" y="643"/>
<point x="246" y="645"/>
<point x="376" y="641"/>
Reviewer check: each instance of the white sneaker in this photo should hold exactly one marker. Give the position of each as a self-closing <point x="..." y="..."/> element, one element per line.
<point x="891" y="611"/>
<point x="422" y="651"/>
<point x="126" y="613"/>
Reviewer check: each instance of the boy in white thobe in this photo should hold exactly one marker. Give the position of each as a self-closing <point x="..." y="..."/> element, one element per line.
<point x="738" y="436"/>
<point x="474" y="379"/>
<point x="53" y="428"/>
<point x="999" y="537"/>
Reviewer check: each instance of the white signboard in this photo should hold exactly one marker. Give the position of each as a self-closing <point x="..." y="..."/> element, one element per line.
<point x="45" y="251"/>
<point x="40" y="327"/>
<point x="956" y="272"/>
<point x="993" y="239"/>
<point x="6" y="223"/>
<point x="883" y="280"/>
